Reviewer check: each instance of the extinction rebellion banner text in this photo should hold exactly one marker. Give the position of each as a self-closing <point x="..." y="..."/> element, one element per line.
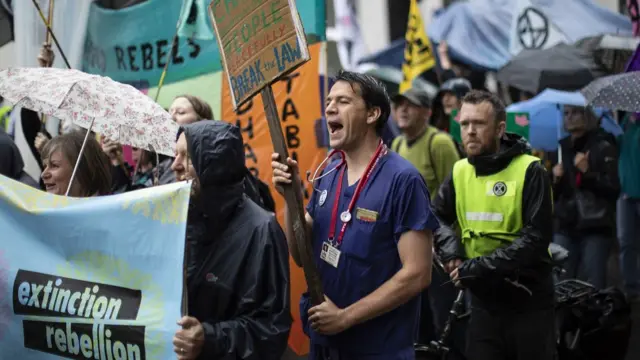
<point x="69" y="303"/>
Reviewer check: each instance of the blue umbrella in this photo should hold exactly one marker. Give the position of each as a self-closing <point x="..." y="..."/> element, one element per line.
<point x="545" y="117"/>
<point x="391" y="56"/>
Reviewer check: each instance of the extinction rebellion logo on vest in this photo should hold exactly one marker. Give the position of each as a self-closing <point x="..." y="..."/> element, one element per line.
<point x="499" y="188"/>
<point x="87" y="320"/>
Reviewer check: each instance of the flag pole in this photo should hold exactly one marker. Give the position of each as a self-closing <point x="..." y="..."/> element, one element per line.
<point x="174" y="43"/>
<point x="75" y="167"/>
<point x="50" y="18"/>
<point x="325" y="88"/>
<point x="48" y="23"/>
<point x="50" y="31"/>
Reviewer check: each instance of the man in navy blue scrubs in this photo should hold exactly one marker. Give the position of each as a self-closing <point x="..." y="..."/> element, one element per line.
<point x="371" y="233"/>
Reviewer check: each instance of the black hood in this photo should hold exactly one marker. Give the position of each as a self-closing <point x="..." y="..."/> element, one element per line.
<point x="11" y="164"/>
<point x="511" y="145"/>
<point x="217" y="152"/>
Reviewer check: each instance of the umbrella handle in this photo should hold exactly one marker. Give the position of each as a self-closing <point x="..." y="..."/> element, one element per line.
<point x="75" y="167"/>
<point x="156" y="172"/>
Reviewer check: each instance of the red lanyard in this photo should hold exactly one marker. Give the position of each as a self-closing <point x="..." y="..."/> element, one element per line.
<point x="346" y="215"/>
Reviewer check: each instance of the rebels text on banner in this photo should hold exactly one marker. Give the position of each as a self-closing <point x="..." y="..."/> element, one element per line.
<point x="259" y="40"/>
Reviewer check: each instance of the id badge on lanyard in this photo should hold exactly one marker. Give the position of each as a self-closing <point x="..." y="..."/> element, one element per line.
<point x="330" y="252"/>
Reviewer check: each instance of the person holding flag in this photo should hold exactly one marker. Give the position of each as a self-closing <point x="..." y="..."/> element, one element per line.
<point x="418" y="52"/>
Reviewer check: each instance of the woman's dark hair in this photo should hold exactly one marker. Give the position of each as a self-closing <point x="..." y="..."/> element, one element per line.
<point x="201" y="107"/>
<point x="147" y="156"/>
<point x="372" y="92"/>
<point x="94" y="171"/>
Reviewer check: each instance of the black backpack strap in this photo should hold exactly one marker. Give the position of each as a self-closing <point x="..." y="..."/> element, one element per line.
<point x="429" y="143"/>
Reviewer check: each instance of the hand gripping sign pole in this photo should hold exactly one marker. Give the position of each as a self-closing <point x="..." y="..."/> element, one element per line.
<point x="259" y="42"/>
<point x="293" y="198"/>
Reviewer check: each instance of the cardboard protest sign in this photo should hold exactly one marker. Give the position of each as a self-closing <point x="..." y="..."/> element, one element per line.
<point x="259" y="40"/>
<point x="298" y="98"/>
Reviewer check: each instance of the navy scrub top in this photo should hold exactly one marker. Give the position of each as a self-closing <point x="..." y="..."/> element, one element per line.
<point x="369" y="255"/>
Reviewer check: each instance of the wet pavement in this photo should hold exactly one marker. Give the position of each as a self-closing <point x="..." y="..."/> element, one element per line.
<point x="633" y="353"/>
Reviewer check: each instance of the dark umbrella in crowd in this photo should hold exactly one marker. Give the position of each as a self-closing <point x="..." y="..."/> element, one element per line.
<point x="562" y="67"/>
<point x="6" y="23"/>
<point x="610" y="50"/>
<point x="615" y="92"/>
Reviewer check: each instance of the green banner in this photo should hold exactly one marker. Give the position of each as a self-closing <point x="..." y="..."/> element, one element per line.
<point x="454" y="126"/>
<point x="518" y="123"/>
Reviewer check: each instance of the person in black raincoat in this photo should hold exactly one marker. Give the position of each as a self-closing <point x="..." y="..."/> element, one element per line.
<point x="499" y="199"/>
<point x="11" y="164"/>
<point x="586" y="187"/>
<point x="237" y="258"/>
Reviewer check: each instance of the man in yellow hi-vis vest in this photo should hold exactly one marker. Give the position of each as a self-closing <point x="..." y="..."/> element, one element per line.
<point x="495" y="212"/>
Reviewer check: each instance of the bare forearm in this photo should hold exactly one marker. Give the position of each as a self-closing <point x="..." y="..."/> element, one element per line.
<point x="398" y="290"/>
<point x="291" y="238"/>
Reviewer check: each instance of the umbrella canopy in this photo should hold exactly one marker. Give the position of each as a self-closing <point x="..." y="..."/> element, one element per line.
<point x="545" y="117"/>
<point x="117" y="111"/>
<point x="562" y="67"/>
<point x="393" y="77"/>
<point x="609" y="42"/>
<point x="616" y="92"/>
<point x="553" y="96"/>
<point x="391" y="56"/>
<point x="612" y="51"/>
<point x="478" y="31"/>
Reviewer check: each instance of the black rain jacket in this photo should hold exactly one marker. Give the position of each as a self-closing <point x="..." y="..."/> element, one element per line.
<point x="237" y="255"/>
<point x="601" y="179"/>
<point x="11" y="164"/>
<point x="526" y="261"/>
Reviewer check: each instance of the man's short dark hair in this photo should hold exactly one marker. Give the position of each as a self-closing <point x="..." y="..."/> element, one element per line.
<point x="476" y="97"/>
<point x="372" y="92"/>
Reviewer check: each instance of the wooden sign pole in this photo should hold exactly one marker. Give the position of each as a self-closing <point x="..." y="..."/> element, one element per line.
<point x="293" y="198"/>
<point x="260" y="41"/>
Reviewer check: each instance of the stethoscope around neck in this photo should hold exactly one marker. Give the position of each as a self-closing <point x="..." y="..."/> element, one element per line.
<point x="313" y="179"/>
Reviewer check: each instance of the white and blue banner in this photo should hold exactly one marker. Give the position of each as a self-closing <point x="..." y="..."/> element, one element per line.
<point x="93" y="278"/>
<point x="488" y="33"/>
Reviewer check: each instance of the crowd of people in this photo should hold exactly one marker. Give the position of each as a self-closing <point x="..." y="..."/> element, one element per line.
<point x="395" y="227"/>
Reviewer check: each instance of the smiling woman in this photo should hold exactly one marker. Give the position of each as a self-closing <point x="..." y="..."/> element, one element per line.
<point x="59" y="157"/>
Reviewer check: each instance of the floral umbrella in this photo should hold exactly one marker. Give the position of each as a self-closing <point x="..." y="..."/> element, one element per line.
<point x="117" y="111"/>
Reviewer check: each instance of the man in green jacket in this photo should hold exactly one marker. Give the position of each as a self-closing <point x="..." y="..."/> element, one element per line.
<point x="431" y="151"/>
